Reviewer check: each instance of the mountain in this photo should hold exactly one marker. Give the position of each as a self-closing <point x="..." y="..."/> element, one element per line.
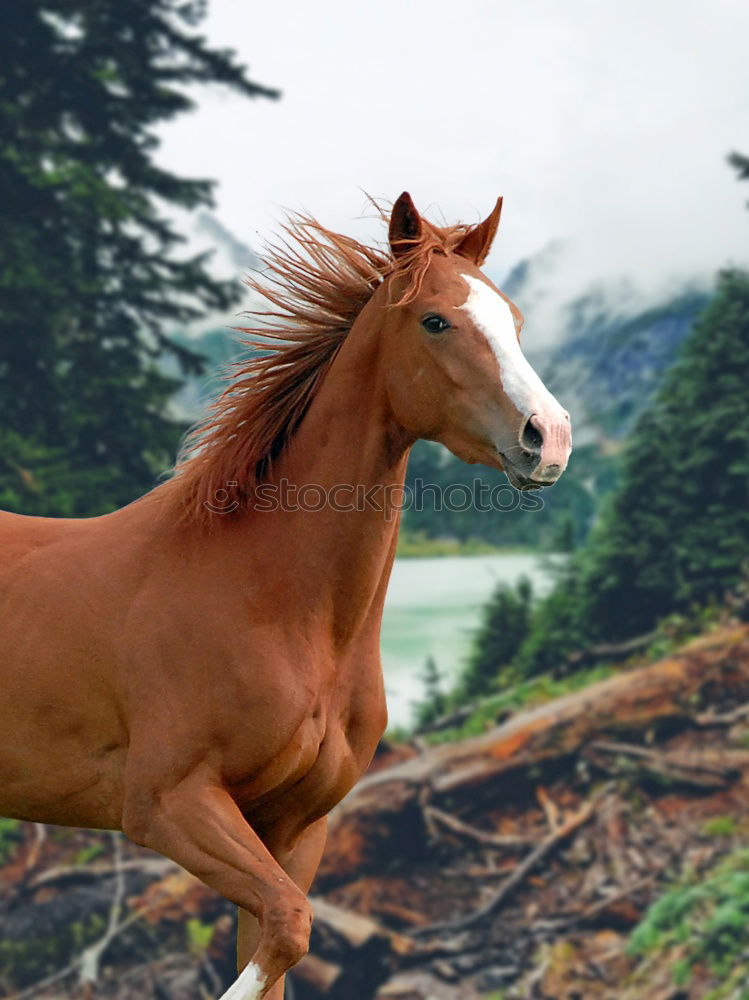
<point x="601" y="346"/>
<point x="221" y="347"/>
<point x="235" y="256"/>
<point x="608" y="367"/>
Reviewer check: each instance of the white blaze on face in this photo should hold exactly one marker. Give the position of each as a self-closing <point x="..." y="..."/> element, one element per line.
<point x="248" y="986"/>
<point x="492" y="315"/>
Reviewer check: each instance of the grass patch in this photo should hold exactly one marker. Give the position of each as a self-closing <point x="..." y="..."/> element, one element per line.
<point x="704" y="923"/>
<point x="721" y="826"/>
<point x="416" y="546"/>
<point x="526" y="694"/>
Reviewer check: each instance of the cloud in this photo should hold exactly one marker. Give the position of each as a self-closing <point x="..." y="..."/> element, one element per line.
<point x="605" y="125"/>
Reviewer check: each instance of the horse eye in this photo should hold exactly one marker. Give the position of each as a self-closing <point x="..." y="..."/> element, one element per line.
<point x="434" y="323"/>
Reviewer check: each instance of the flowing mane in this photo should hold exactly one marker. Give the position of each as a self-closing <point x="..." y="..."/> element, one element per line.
<point x="316" y="282"/>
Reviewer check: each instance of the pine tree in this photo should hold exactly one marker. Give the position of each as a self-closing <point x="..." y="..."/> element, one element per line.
<point x="674" y="536"/>
<point x="677" y="532"/>
<point x="741" y="165"/>
<point x="503" y="629"/>
<point x="434" y="703"/>
<point x="566" y="535"/>
<point x="89" y="277"/>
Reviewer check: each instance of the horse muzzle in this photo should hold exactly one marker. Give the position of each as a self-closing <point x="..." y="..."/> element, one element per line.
<point x="542" y="452"/>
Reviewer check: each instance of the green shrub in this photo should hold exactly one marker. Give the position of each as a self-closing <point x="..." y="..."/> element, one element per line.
<point x="503" y="629"/>
<point x="707" y="921"/>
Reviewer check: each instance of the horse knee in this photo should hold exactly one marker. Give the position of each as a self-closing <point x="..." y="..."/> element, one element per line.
<point x="285" y="927"/>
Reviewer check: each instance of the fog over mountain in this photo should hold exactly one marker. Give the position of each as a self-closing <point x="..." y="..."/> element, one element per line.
<point x="601" y="345"/>
<point x="606" y="127"/>
<point x="559" y="296"/>
<point x="237" y="256"/>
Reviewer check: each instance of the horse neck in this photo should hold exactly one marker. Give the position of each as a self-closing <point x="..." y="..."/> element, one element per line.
<point x="339" y="560"/>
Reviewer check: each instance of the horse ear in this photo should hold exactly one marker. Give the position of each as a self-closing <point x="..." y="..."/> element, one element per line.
<point x="405" y="226"/>
<point x="477" y="242"/>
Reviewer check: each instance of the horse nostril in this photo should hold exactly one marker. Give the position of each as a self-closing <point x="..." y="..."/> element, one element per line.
<point x="531" y="438"/>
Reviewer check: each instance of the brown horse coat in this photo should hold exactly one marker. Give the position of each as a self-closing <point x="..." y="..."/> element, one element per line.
<point x="201" y="669"/>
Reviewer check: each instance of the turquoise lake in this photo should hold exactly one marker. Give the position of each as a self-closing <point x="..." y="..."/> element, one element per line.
<point x="433" y="607"/>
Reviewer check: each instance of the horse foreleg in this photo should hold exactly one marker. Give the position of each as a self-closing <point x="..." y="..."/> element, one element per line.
<point x="197" y="824"/>
<point x="300" y="863"/>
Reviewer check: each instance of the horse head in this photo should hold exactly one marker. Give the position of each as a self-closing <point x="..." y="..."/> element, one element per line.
<point x="456" y="371"/>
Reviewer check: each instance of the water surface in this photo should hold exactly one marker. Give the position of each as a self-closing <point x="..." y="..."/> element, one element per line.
<point x="433" y="607"/>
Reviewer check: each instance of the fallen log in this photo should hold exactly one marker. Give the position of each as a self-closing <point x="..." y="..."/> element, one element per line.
<point x="700" y="768"/>
<point x="363" y="826"/>
<point x="606" y="651"/>
<point x="350" y="954"/>
<point x="465" y="830"/>
<point x="421" y="985"/>
<point x="611" y="650"/>
<point x="159" y="867"/>
<point x="316" y="974"/>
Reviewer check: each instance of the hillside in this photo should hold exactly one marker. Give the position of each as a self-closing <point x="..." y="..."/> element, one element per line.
<point x="609" y="366"/>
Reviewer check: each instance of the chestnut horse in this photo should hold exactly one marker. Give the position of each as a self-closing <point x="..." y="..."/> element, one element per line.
<point x="201" y="668"/>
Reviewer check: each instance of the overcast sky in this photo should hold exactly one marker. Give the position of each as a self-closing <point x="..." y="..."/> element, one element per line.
<point x="604" y="123"/>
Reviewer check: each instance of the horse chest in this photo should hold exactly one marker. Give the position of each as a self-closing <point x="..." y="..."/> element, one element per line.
<point x="328" y="752"/>
<point x="311" y="785"/>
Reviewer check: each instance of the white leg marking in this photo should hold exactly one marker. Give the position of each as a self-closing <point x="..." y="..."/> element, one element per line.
<point x="248" y="986"/>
